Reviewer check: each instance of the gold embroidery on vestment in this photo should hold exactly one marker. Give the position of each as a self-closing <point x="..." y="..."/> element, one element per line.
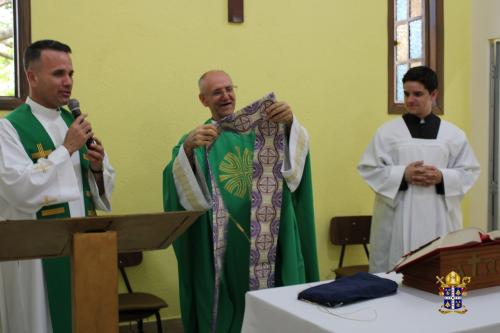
<point x="42" y="167"/>
<point x="236" y="172"/>
<point x="54" y="211"/>
<point x="47" y="201"/>
<point x="41" y="152"/>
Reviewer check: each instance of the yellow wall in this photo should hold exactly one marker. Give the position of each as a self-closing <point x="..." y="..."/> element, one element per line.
<point x="485" y="26"/>
<point x="137" y="63"/>
<point x="457" y="84"/>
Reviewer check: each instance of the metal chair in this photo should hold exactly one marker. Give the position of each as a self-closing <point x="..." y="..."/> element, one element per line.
<point x="136" y="306"/>
<point x="350" y="230"/>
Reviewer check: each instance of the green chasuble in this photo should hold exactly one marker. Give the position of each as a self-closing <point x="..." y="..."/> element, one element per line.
<point x="57" y="271"/>
<point x="230" y="158"/>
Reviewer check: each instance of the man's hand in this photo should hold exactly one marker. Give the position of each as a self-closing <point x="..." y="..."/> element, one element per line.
<point x="78" y="133"/>
<point x="203" y="135"/>
<point x="417" y="173"/>
<point x="96" y="155"/>
<point x="280" y="112"/>
<point x="433" y="175"/>
<point x="414" y="173"/>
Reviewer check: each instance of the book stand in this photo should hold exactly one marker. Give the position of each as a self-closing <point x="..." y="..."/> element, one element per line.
<point x="480" y="262"/>
<point x="93" y="244"/>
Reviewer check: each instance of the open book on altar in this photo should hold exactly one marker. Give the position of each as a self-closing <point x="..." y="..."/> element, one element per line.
<point x="463" y="238"/>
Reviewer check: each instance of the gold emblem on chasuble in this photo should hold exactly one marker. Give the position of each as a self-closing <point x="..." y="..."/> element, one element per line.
<point x="41" y="153"/>
<point x="235" y="172"/>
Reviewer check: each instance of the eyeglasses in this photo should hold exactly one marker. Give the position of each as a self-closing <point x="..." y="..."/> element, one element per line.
<point x="219" y="92"/>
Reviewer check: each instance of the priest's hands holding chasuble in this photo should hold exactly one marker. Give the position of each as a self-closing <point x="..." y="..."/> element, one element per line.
<point x="202" y="135"/>
<point x="280" y="112"/>
<point x="205" y="135"/>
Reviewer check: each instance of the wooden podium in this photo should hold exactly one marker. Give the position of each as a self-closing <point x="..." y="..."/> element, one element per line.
<point x="480" y="262"/>
<point x="93" y="244"/>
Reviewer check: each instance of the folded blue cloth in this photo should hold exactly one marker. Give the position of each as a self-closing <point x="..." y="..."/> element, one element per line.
<point x="349" y="289"/>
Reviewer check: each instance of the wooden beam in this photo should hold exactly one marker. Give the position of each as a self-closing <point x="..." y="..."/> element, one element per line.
<point x="235" y="11"/>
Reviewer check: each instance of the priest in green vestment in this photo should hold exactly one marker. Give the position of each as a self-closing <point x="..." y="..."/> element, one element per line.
<point x="46" y="172"/>
<point x="250" y="171"/>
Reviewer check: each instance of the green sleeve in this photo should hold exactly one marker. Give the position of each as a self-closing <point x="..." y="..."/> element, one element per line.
<point x="303" y="201"/>
<point x="194" y="257"/>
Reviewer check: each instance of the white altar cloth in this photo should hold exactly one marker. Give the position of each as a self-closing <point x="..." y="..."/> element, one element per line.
<point x="277" y="310"/>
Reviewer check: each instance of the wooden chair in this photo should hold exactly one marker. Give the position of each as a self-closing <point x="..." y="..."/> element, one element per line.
<point x="136" y="306"/>
<point x="350" y="230"/>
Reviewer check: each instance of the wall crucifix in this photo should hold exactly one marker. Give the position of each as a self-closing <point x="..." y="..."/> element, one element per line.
<point x="235" y="11"/>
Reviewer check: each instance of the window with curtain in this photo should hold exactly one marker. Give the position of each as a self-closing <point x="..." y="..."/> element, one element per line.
<point x="415" y="38"/>
<point x="15" y="36"/>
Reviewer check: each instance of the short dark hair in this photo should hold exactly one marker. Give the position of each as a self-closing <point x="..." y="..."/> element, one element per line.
<point x="33" y="52"/>
<point x="424" y="75"/>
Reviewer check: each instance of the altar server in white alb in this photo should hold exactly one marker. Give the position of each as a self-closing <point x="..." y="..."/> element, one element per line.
<point x="46" y="172"/>
<point x="420" y="168"/>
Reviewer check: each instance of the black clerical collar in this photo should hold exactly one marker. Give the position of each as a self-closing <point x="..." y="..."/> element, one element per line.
<point x="425" y="128"/>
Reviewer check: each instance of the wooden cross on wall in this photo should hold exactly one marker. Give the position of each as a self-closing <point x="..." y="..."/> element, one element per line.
<point x="235" y="11"/>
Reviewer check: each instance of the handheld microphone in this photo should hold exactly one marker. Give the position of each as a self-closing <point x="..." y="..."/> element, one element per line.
<point x="74" y="107"/>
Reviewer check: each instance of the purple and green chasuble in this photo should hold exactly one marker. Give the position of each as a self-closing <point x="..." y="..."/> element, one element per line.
<point x="258" y="233"/>
<point x="265" y="196"/>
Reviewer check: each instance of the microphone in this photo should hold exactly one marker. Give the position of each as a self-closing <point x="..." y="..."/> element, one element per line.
<point x="74" y="107"/>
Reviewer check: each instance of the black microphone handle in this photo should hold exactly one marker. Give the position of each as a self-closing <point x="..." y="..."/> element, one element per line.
<point x="89" y="142"/>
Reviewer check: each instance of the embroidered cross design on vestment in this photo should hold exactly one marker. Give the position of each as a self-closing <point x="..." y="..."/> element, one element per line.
<point x="41" y="153"/>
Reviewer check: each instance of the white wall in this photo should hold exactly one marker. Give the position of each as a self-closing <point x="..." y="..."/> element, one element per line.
<point x="485" y="25"/>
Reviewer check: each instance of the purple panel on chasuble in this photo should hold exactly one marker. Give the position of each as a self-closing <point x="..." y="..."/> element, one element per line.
<point x="257" y="170"/>
<point x="277" y="170"/>
<point x="268" y="155"/>
<point x="275" y="227"/>
<point x="266" y="185"/>
<point x="242" y="123"/>
<point x="259" y="142"/>
<point x="279" y="141"/>
<point x="219" y="229"/>
<point x="254" y="257"/>
<point x="276" y="200"/>
<point x="254" y="228"/>
<point x="254" y="282"/>
<point x="272" y="254"/>
<point x="270" y="279"/>
<point x="256" y="199"/>
<point x="262" y="271"/>
<point x="268" y="128"/>
<point x="255" y="106"/>
<point x="266" y="214"/>
<point x="264" y="242"/>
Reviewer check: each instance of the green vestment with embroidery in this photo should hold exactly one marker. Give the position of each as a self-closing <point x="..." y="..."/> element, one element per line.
<point x="230" y="158"/>
<point x="57" y="272"/>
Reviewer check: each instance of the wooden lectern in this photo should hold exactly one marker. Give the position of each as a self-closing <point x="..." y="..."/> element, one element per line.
<point x="93" y="244"/>
<point x="481" y="262"/>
